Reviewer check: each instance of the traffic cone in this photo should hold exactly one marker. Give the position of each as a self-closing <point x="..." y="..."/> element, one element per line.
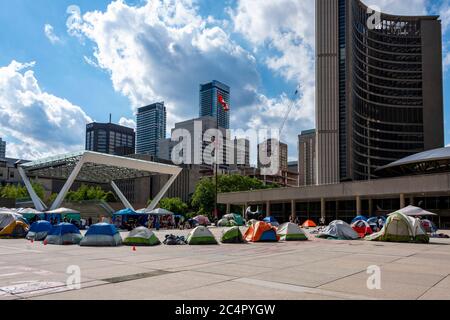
<point x="45" y="242"/>
<point x="32" y="241"/>
<point x="134" y="248"/>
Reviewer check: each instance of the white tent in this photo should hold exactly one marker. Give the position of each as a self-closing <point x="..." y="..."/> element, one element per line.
<point x="412" y="211"/>
<point x="291" y="232"/>
<point x="62" y="211"/>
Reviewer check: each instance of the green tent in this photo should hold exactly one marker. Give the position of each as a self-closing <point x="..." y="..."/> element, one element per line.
<point x="291" y="232"/>
<point x="401" y="228"/>
<point x="141" y="236"/>
<point x="232" y="235"/>
<point x="201" y="235"/>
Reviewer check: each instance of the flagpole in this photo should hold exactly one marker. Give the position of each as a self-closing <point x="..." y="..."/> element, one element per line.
<point x="216" y="215"/>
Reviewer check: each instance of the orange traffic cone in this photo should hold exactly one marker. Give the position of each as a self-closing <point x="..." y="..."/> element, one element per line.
<point x="32" y="241"/>
<point x="45" y="242"/>
<point x="134" y="248"/>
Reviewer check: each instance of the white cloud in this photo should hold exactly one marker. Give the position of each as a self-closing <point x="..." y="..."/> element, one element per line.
<point x="50" y="34"/>
<point x="39" y="123"/>
<point x="130" y="123"/>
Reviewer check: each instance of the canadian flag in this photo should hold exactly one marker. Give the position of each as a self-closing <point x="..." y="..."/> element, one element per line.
<point x="225" y="105"/>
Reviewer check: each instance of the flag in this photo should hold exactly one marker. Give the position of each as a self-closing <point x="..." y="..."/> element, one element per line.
<point x="225" y="105"/>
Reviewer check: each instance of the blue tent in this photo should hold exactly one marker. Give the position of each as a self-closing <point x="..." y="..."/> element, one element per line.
<point x="126" y="211"/>
<point x="41" y="226"/>
<point x="269" y="236"/>
<point x="270" y="219"/>
<point x="123" y="217"/>
<point x="39" y="230"/>
<point x="64" y="233"/>
<point x="359" y="218"/>
<point x="102" y="235"/>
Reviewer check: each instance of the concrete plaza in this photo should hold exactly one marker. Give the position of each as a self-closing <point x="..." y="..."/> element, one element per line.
<point x="316" y="269"/>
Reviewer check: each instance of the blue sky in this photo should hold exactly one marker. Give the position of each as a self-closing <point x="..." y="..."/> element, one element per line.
<point x="117" y="58"/>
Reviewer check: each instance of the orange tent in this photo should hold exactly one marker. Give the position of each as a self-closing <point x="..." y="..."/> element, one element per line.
<point x="261" y="231"/>
<point x="309" y="224"/>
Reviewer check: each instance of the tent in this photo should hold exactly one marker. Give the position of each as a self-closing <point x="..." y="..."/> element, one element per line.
<point x="39" y="230"/>
<point x="251" y="222"/>
<point x="309" y="224"/>
<point x="201" y="235"/>
<point x="236" y="218"/>
<point x="338" y="230"/>
<point x="63" y="234"/>
<point x="272" y="221"/>
<point x="401" y="228"/>
<point x="32" y="214"/>
<point x="223" y="223"/>
<point x="232" y="235"/>
<point x="261" y="232"/>
<point x="156" y="212"/>
<point x="102" y="235"/>
<point x="359" y="218"/>
<point x="202" y="220"/>
<point x="428" y="226"/>
<point x="412" y="211"/>
<point x="126" y="218"/>
<point x="141" y="236"/>
<point x="62" y="214"/>
<point x="291" y="232"/>
<point x="12" y="224"/>
<point x="362" y="228"/>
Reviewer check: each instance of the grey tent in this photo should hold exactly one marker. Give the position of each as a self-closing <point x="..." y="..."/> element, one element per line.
<point x="339" y="230"/>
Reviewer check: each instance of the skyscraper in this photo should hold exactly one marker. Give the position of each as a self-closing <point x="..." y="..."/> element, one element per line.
<point x="379" y="89"/>
<point x="307" y="157"/>
<point x="151" y="127"/>
<point x="2" y="148"/>
<point x="210" y="94"/>
<point x="267" y="148"/>
<point x="110" y="138"/>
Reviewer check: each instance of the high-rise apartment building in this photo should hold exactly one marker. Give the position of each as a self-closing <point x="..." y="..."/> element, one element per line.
<point x="267" y="148"/>
<point x="379" y="93"/>
<point x="211" y="95"/>
<point x="307" y="157"/>
<point x="2" y="149"/>
<point x="150" y="128"/>
<point x="110" y="138"/>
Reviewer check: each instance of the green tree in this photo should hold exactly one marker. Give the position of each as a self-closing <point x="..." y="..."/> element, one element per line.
<point x="204" y="195"/>
<point x="175" y="205"/>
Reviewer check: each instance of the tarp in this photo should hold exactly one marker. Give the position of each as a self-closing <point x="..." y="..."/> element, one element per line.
<point x="63" y="234"/>
<point x="401" y="228"/>
<point x="7" y="217"/>
<point x="141" y="236"/>
<point x="362" y="228"/>
<point x="202" y="220"/>
<point x="156" y="212"/>
<point x="359" y="218"/>
<point x="261" y="232"/>
<point x="237" y="218"/>
<point x="201" y="235"/>
<point x="309" y="224"/>
<point x="232" y="235"/>
<point x="339" y="230"/>
<point x="39" y="230"/>
<point x="291" y="232"/>
<point x="412" y="211"/>
<point x="126" y="211"/>
<point x="101" y="235"/>
<point x="429" y="226"/>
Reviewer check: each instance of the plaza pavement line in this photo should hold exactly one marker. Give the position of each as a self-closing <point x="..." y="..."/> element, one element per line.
<point x="301" y="289"/>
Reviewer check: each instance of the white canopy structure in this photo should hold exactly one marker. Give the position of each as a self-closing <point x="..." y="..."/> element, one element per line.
<point x="157" y="212"/>
<point x="93" y="167"/>
<point x="415" y="212"/>
<point x="62" y="211"/>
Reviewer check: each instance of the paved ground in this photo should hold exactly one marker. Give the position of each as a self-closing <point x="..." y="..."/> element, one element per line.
<point x="317" y="269"/>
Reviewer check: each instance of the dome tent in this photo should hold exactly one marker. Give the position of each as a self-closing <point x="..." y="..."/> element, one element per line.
<point x="309" y="224"/>
<point x="223" y="223"/>
<point x="401" y="228"/>
<point x="201" y="235"/>
<point x="261" y="232"/>
<point x="272" y="221"/>
<point x="359" y="218"/>
<point x="362" y="227"/>
<point x="12" y="224"/>
<point x="291" y="232"/>
<point x="232" y="235"/>
<point x="63" y="234"/>
<point x="102" y="235"/>
<point x="39" y="230"/>
<point x="338" y="230"/>
<point x="237" y="218"/>
<point x="141" y="236"/>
